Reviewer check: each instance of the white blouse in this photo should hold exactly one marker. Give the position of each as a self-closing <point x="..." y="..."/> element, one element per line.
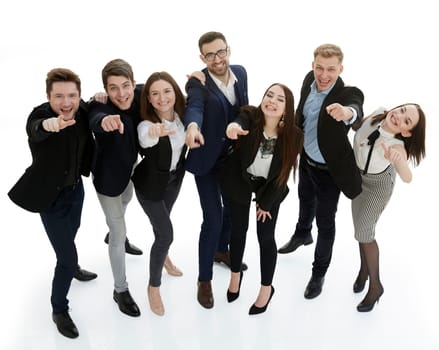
<point x="361" y="148"/>
<point x="177" y="139"/>
<point x="262" y="162"/>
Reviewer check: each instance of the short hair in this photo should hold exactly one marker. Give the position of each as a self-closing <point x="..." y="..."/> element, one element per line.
<point x="63" y="75"/>
<point x="208" y="37"/>
<point x="329" y="50"/>
<point x="117" y="67"/>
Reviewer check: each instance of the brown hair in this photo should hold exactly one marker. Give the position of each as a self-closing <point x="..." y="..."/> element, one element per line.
<point x="415" y="143"/>
<point x="289" y="138"/>
<point x="208" y="37"/>
<point x="147" y="110"/>
<point x="117" y="67"/>
<point x="62" y="74"/>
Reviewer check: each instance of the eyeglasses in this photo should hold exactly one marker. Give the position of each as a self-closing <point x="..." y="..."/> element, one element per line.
<point x="210" y="56"/>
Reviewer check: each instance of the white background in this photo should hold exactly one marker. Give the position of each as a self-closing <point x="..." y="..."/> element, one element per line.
<point x="391" y="54"/>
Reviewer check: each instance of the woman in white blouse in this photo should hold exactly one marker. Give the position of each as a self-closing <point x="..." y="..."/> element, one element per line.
<point x="158" y="177"/>
<point x="400" y="136"/>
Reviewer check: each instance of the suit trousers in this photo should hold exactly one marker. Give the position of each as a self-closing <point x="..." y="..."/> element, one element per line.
<point x="265" y="232"/>
<point x="159" y="214"/>
<point x="61" y="222"/>
<point x="114" y="209"/>
<point x="318" y="196"/>
<point x="215" y="228"/>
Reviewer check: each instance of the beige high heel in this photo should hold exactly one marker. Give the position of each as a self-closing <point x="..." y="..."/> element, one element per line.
<point x="171" y="269"/>
<point x="155" y="301"/>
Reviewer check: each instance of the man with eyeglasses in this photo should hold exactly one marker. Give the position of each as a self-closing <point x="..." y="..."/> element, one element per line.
<point x="210" y="107"/>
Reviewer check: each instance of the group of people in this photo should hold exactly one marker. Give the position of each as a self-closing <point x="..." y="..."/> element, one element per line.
<point x="238" y="154"/>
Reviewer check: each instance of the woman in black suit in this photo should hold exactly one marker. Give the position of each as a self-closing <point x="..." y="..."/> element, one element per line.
<point x="158" y="177"/>
<point x="267" y="149"/>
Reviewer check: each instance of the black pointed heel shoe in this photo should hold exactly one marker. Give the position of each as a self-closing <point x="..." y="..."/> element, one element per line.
<point x="368" y="305"/>
<point x="233" y="296"/>
<point x="254" y="310"/>
<point x="359" y="285"/>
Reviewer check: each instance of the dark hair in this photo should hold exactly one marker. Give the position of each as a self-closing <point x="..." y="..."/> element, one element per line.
<point x="208" y="37"/>
<point x="289" y="138"/>
<point x="147" y="110"/>
<point x="117" y="67"/>
<point x="415" y="143"/>
<point x="64" y="75"/>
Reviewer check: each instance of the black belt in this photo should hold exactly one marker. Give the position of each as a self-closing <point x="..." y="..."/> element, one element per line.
<point x="314" y="164"/>
<point x="72" y="186"/>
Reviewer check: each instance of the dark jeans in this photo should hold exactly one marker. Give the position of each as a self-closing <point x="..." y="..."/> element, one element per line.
<point x="61" y="222"/>
<point x="267" y="244"/>
<point x="159" y="214"/>
<point x="318" y="195"/>
<point x="215" y="229"/>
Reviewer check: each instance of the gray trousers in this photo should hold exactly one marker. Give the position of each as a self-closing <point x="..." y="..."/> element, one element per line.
<point x="114" y="209"/>
<point x="159" y="213"/>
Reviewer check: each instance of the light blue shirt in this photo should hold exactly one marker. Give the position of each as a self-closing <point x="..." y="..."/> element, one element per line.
<point x="311" y="111"/>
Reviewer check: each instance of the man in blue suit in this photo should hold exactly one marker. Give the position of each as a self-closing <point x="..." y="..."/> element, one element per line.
<point x="210" y="107"/>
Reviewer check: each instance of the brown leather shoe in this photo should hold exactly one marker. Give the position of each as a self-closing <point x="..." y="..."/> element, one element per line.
<point x="204" y="295"/>
<point x="220" y="257"/>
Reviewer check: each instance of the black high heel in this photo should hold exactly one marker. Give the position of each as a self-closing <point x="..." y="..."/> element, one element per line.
<point x="233" y="296"/>
<point x="359" y="285"/>
<point x="254" y="310"/>
<point x="366" y="306"/>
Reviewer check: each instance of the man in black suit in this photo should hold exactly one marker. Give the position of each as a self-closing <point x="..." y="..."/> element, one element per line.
<point x="62" y="147"/>
<point x="326" y="111"/>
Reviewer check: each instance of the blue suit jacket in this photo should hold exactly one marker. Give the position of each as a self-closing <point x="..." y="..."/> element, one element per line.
<point x="210" y="109"/>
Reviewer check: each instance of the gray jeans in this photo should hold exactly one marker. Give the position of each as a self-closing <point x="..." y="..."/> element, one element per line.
<point x="114" y="209"/>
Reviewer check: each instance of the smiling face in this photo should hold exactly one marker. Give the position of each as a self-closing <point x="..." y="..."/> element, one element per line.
<point x="64" y="99"/>
<point x="217" y="66"/>
<point x="273" y="103"/>
<point x="401" y="120"/>
<point x="162" y="97"/>
<point x="326" y="71"/>
<point x="120" y="91"/>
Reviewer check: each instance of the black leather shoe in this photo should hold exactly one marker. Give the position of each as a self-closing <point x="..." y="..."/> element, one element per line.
<point x="254" y="310"/>
<point x="84" y="275"/>
<point x="294" y="243"/>
<point x="129" y="247"/>
<point x="126" y="303"/>
<point x="224" y="258"/>
<point x="232" y="296"/>
<point x="314" y="287"/>
<point x="65" y="324"/>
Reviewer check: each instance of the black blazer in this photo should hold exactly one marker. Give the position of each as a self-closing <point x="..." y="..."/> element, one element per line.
<point x="151" y="175"/>
<point x="332" y="135"/>
<point x="116" y="153"/>
<point x="38" y="188"/>
<point x="234" y="178"/>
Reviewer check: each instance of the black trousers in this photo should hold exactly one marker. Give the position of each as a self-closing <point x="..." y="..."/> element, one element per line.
<point x="318" y="195"/>
<point x="61" y="222"/>
<point x="239" y="214"/>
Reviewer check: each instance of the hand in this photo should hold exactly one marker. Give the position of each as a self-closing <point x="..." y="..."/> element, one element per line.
<point x="158" y="130"/>
<point x="198" y="75"/>
<point x="194" y="138"/>
<point x="393" y="155"/>
<point x="100" y="97"/>
<point x="261" y="215"/>
<point x="111" y="123"/>
<point x="56" y="124"/>
<point x="339" y="112"/>
<point x="234" y="130"/>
